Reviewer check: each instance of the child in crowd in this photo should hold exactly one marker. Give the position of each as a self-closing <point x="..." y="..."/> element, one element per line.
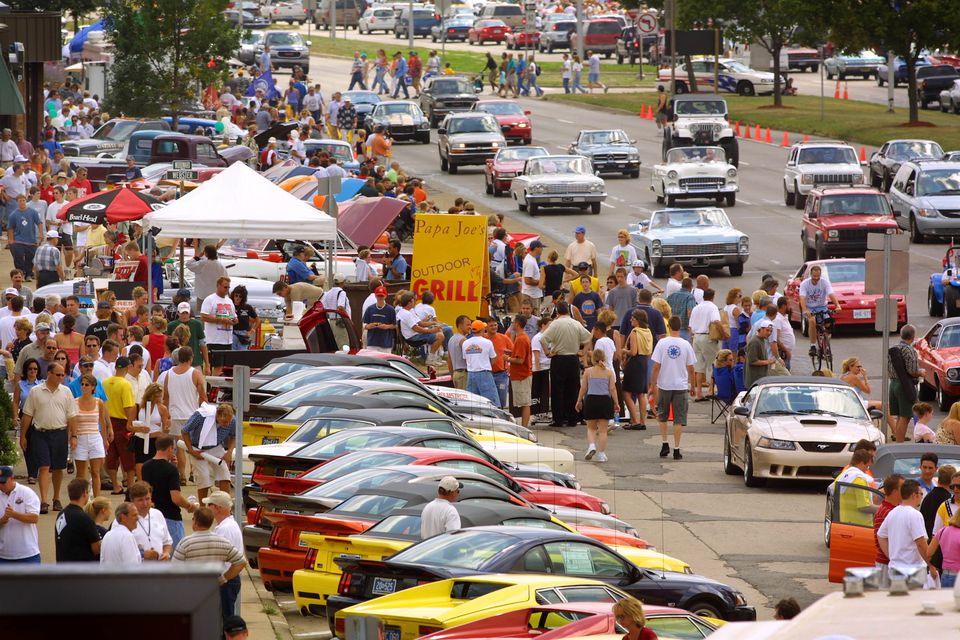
<point x="923" y="413"/>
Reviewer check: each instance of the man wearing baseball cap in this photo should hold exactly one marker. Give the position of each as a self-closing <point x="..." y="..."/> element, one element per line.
<point x="439" y="515"/>
<point x="380" y="323"/>
<point x="20" y="506"/>
<point x="197" y="344"/>
<point x="47" y="263"/>
<point x="221" y="504"/>
<point x="530" y="284"/>
<point x="581" y="250"/>
<point x="235" y="628"/>
<point x="576" y="285"/>
<point x="479" y="354"/>
<point x="758" y="354"/>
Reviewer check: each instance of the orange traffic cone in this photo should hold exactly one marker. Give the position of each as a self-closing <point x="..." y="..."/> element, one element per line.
<point x="846" y="91"/>
<point x="786" y="139"/>
<point x="769" y="138"/>
<point x="758" y="133"/>
<point x="736" y="131"/>
<point x="806" y="139"/>
<point x="836" y="91"/>
<point x="643" y="112"/>
<point x="670" y="413"/>
<point x="650" y="115"/>
<point x="747" y="129"/>
<point x="863" y="154"/>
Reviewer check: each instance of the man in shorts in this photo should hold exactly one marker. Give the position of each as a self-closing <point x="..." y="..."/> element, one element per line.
<point x="902" y="390"/>
<point x="673" y="361"/>
<point x="521" y="369"/>
<point x="211" y="431"/>
<point x="49" y="423"/>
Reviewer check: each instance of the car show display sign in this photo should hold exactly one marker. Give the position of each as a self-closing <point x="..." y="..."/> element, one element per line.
<point x="450" y="260"/>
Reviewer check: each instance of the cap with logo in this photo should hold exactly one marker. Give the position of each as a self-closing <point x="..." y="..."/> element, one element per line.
<point x="183" y="307"/>
<point x="380" y="291"/>
<point x="478" y="325"/>
<point x="583" y="265"/>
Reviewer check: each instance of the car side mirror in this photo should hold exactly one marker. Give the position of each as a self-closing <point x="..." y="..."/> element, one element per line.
<point x="633" y="141"/>
<point x="527" y="112"/>
<point x="742" y="411"/>
<point x="441" y="132"/>
<point x="876" y="414"/>
<point x="644" y="224"/>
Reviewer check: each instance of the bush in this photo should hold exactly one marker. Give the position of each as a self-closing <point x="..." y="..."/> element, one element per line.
<point x="9" y="451"/>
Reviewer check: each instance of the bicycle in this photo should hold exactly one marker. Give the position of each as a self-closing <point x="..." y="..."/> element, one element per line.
<point x="824" y="323"/>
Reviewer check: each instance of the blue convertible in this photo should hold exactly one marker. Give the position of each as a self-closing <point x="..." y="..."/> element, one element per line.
<point x="943" y="298"/>
<point x="700" y="238"/>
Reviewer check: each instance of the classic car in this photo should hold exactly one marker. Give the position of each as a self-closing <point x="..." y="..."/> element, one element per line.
<point x="695" y="172"/>
<point x="514" y="121"/>
<point x="207" y="127"/>
<point x="339" y="149"/>
<point x="846" y="276"/>
<point x="578" y="620"/>
<point x="795" y="58"/>
<point x="609" y="151"/>
<point x="951" y="156"/>
<point x="247" y="53"/>
<point x="732" y="76"/>
<point x="381" y="18"/>
<point x="701" y="238"/>
<point x="297" y="379"/>
<point x="287" y="50"/>
<point x="795" y="428"/>
<point x="468" y="139"/>
<point x="503" y="167"/>
<point x="111" y="137"/>
<point x="950" y="98"/>
<point x="864" y="63"/>
<point x="886" y="161"/>
<point x="484" y="550"/>
<point x="942" y="297"/>
<point x="813" y="164"/>
<point x="925" y="196"/>
<point x="487" y="31"/>
<point x="267" y="259"/>
<point x="523" y="39"/>
<point x="446" y="94"/>
<point x="285" y="364"/>
<point x="899" y="71"/>
<point x="702" y="121"/>
<point x="401" y="528"/>
<point x="837" y="220"/>
<point x="451" y="29"/>
<point x="402" y="120"/>
<point x="363" y="102"/>
<point x="938" y="354"/>
<point x="558" y="181"/>
<point x="951" y="59"/>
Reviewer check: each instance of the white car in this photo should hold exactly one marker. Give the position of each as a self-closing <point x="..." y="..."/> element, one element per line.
<point x="732" y="76"/>
<point x="818" y="164"/>
<point x="950" y="98"/>
<point x="377" y="19"/>
<point x="558" y="181"/>
<point x="795" y="428"/>
<point x="695" y="172"/>
<point x="291" y="12"/>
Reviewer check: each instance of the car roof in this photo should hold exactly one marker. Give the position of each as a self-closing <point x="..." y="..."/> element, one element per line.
<point x="912" y="140"/>
<point x="461" y="115"/>
<point x="385" y="415"/>
<point x="474" y="511"/>
<point x="558" y="156"/>
<point x="309" y="358"/>
<point x="696" y="98"/>
<point x="830" y="191"/>
<point x="785" y="381"/>
<point x="528" y="533"/>
<point x="934" y="164"/>
<point x="949" y="322"/>
<point x="539" y="581"/>
<point x="821" y="143"/>
<point x="582" y="131"/>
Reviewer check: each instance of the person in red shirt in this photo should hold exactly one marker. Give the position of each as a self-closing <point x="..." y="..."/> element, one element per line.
<point x="503" y="346"/>
<point x="143" y="264"/>
<point x="629" y="615"/>
<point x="80" y="183"/>
<point x="46" y="188"/>
<point x="891" y="498"/>
<point x="521" y="368"/>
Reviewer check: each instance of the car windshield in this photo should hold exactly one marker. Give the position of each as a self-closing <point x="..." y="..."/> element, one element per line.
<point x="465" y="550"/>
<point x="738" y="67"/>
<point x="473" y="125"/>
<point x="700" y="107"/>
<point x="292" y="398"/>
<point x="851" y="271"/>
<point x="521" y="153"/>
<point x="553" y="166"/>
<point x="341" y="152"/>
<point x="949" y="338"/>
<point x="345" y="486"/>
<point x="362" y="97"/>
<point x="910" y="467"/>
<point x="696" y="154"/>
<point x="827" y="155"/>
<point x="854" y="204"/>
<point x="304" y="413"/>
<point x="460" y="22"/>
<point x="284" y="39"/>
<point x="277" y="369"/>
<point x="252" y="37"/>
<point x="116" y="130"/>
<point x="383" y="13"/>
<point x="296" y="379"/>
<point x="938" y="182"/>
<point x="450" y="86"/>
<point x="501" y="108"/>
<point x="355" y="462"/>
<point x="914" y="149"/>
<point x="390" y="108"/>
<point x="374" y="505"/>
<point x="616" y="136"/>
<point x="806" y="399"/>
<point x="690" y="218"/>
<point x="407" y="526"/>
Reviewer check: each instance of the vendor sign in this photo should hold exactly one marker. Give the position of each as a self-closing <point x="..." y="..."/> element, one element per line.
<point x="450" y="259"/>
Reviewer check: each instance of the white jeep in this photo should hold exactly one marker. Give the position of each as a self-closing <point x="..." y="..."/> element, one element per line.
<point x="700" y="121"/>
<point x="818" y="164"/>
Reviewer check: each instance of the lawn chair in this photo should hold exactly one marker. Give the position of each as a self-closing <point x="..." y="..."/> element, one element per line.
<point x="724" y="380"/>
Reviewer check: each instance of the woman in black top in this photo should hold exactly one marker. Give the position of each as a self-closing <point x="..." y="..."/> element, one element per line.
<point x="247" y="320"/>
<point x="555" y="274"/>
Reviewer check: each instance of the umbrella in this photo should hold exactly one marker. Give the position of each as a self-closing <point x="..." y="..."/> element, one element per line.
<point x="363" y="220"/>
<point x="115" y="205"/>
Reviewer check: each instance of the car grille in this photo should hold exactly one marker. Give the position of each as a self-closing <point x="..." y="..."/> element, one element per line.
<point x="716" y="248"/>
<point x="288" y="54"/>
<point x="950" y="213"/>
<point x="834" y="178"/>
<point x="405" y="128"/>
<point x="479" y="146"/>
<point x="610" y="157"/>
<point x="701" y="182"/>
<point x="569" y="187"/>
<point x="823" y="447"/>
<point x="455" y="104"/>
<point x="506" y="174"/>
<point x="819" y="472"/>
<point x="854" y="235"/>
<point x="701" y="128"/>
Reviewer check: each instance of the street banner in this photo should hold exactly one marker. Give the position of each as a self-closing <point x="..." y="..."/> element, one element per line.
<point x="450" y="259"/>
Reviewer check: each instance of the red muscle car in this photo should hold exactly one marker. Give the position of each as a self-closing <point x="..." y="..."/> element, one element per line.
<point x="499" y="171"/>
<point x="938" y="353"/>
<point x="487" y="31"/>
<point x="513" y="120"/>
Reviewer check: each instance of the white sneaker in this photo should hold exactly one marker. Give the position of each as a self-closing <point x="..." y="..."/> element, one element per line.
<point x="601" y="457"/>
<point x="591" y="451"/>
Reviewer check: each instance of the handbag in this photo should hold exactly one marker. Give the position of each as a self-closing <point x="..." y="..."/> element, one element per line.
<point x="718" y="331"/>
<point x="778" y="369"/>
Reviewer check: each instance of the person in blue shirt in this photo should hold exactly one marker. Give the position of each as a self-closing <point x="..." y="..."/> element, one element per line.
<point x="380" y="321"/>
<point x="132" y="171"/>
<point x="297" y="269"/>
<point x="24" y="234"/>
<point x="51" y="144"/>
<point x="400" y="76"/>
<point x="395" y="266"/>
<point x="86" y="366"/>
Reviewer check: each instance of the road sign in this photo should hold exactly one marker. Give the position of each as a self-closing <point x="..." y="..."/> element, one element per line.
<point x="181" y="176"/>
<point x="182" y="165"/>
<point x="647" y="24"/>
<point x="886" y="307"/>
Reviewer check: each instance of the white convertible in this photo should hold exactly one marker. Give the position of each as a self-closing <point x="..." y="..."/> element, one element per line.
<point x="695" y="172"/>
<point x="558" y="181"/>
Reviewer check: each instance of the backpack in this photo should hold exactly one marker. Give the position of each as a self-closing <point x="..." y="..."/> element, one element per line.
<point x="537" y="70"/>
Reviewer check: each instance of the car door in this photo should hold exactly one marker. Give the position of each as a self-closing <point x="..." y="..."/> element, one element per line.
<point x="737" y="427"/>
<point x="928" y="358"/>
<point x="811" y="222"/>
<point x="852" y="541"/>
<point x="901" y="195"/>
<point x="790" y="171"/>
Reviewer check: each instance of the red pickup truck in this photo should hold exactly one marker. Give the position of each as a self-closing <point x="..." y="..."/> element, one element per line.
<point x="836" y="221"/>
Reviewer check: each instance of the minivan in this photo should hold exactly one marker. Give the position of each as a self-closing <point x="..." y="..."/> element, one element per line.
<point x="423" y="21"/>
<point x="511" y="14"/>
<point x="599" y="36"/>
<point x="348" y="14"/>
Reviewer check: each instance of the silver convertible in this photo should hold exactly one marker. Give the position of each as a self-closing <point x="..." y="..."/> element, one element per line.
<point x="558" y="181"/>
<point x="695" y="172"/>
<point x="701" y="238"/>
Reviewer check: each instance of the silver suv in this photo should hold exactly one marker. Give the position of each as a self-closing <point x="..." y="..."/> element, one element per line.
<point x="556" y="35"/>
<point x="925" y="196"/>
<point x="819" y="164"/>
<point x="468" y="138"/>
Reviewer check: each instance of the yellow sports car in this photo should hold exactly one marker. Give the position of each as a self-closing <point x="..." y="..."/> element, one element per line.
<point x="417" y="611"/>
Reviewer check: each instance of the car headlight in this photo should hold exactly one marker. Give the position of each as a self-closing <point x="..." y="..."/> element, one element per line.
<point x="538" y="188"/>
<point x="717" y="128"/>
<point x="807" y="179"/>
<point x="953" y="374"/>
<point x="672" y="175"/>
<point x="634" y="156"/>
<point x="833" y="234"/>
<point x="495" y="145"/>
<point x="460" y="146"/>
<point x="744" y="245"/>
<point x="773" y="443"/>
<point x="424" y="125"/>
<point x="656" y="249"/>
<point x="604" y="508"/>
<point x="739" y="599"/>
<point x="596" y="186"/>
<point x="857" y="178"/>
<point x="522" y="125"/>
<point x="927" y="212"/>
<point x="731" y="173"/>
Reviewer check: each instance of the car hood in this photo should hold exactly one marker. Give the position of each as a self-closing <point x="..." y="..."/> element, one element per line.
<point x="695" y="235"/>
<point x="942" y="202"/>
<point x="509" y="165"/>
<point x="398" y="119"/>
<point x="818" y="428"/>
<point x="845" y="222"/>
<point x="688" y="119"/>
<point x="474" y="137"/>
<point x="606" y="148"/>
<point x="511" y="120"/>
<point x="685" y="579"/>
<point x="950" y="355"/>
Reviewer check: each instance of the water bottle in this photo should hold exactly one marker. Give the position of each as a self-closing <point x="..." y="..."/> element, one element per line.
<point x="616" y="419"/>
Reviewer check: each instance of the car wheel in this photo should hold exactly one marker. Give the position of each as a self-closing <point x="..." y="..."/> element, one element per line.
<point x="887" y="180"/>
<point x="425" y="139"/>
<point x="521" y="206"/>
<point x="705" y="610"/>
<point x="925" y="392"/>
<point x="671" y="200"/>
<point x="731" y="199"/>
<point x="595" y="208"/>
<point x="934" y="306"/>
<point x="954" y="106"/>
<point x="799" y="200"/>
<point x="728" y="467"/>
<point x="736" y="269"/>
<point x="635" y="173"/>
<point x="944" y="108"/>
<point x="916" y="236"/>
<point x="745" y="88"/>
<point x="788" y="198"/>
<point x="829" y="75"/>
<point x="682" y="87"/>
<point x="944" y="399"/>
<point x="453" y="168"/>
<point x="533" y="209"/>
<point x="749" y="478"/>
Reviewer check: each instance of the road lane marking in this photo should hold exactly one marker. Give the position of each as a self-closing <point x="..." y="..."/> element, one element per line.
<point x="565" y="121"/>
<point x="608" y="205"/>
<point x="746" y="164"/>
<point x="774" y="261"/>
<point x="746" y="202"/>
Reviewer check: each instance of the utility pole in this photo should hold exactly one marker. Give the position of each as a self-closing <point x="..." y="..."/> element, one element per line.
<point x="410" y="25"/>
<point x="333" y="19"/>
<point x="672" y="4"/>
<point x="580" y="30"/>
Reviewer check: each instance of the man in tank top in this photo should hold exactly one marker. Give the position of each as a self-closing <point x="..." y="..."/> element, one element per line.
<point x="184" y="388"/>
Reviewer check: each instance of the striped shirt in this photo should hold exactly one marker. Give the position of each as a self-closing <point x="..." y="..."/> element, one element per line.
<point x="47" y="258"/>
<point x="682" y="304"/>
<point x="206" y="546"/>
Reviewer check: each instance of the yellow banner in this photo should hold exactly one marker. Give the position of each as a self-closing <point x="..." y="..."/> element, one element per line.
<point x="450" y="259"/>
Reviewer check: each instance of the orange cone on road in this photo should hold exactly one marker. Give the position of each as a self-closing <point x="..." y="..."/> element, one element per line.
<point x="863" y="154"/>
<point x="736" y="131"/>
<point x="758" y="134"/>
<point x="769" y="138"/>
<point x="748" y="137"/>
<point x="786" y="139"/>
<point x="806" y="139"/>
<point x="846" y="90"/>
<point x="836" y="91"/>
<point x="650" y="115"/>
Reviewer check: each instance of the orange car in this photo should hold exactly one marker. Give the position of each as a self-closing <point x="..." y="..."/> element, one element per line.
<point x="850" y="533"/>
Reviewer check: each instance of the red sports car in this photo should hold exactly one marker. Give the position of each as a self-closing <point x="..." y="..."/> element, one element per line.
<point x="938" y="352"/>
<point x="499" y="171"/>
<point x="846" y="277"/>
<point x="523" y="40"/>
<point x="509" y="114"/>
<point x="487" y="31"/>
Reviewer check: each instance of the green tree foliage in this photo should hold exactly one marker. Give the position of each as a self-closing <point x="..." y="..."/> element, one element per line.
<point x="73" y="8"/>
<point x="9" y="451"/>
<point x="163" y="51"/>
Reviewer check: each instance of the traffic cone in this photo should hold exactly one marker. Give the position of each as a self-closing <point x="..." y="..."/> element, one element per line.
<point x="846" y="92"/>
<point x="650" y="115"/>
<point x="786" y="139"/>
<point x="670" y="413"/>
<point x="736" y="131"/>
<point x="769" y="138"/>
<point x="747" y="128"/>
<point x="643" y="112"/>
<point x="806" y="139"/>
<point x="836" y="91"/>
<point x="758" y="134"/>
<point x="863" y="154"/>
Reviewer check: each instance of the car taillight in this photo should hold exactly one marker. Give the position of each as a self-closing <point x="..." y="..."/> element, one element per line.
<point x="425" y="630"/>
<point x="253" y="515"/>
<point x="274" y="537"/>
<point x="310" y="560"/>
<point x="420" y="583"/>
<point x="340" y="624"/>
<point x="346" y="581"/>
<point x="450" y="31"/>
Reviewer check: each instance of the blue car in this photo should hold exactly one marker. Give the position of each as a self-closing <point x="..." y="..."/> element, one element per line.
<point x="942" y="298"/>
<point x="204" y="127"/>
<point x="339" y="149"/>
<point x="696" y="238"/>
<point x="899" y="71"/>
<point x="861" y="63"/>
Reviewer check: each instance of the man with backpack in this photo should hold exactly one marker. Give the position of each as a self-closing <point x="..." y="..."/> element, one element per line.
<point x="269" y="156"/>
<point x="532" y="72"/>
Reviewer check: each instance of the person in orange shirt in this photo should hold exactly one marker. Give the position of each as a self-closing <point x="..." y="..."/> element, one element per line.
<point x="503" y="346"/>
<point x="419" y="195"/>
<point x="378" y="146"/>
<point x="521" y="368"/>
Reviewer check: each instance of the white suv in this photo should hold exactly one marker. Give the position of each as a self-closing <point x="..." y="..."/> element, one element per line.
<point x="816" y="164"/>
<point x="377" y="19"/>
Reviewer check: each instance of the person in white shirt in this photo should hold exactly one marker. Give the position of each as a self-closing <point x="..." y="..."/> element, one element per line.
<point x="440" y="516"/>
<point x="673" y="361"/>
<point x="336" y="297"/>
<point x="219" y="315"/>
<point x="479" y="355"/>
<point x="151" y="532"/>
<point x="298" y="151"/>
<point x="815" y="293"/>
<point x="638" y="277"/>
<point x="416" y="333"/>
<point x="221" y="504"/>
<point x="703" y="283"/>
<point x="903" y="537"/>
<point x="674" y="281"/>
<point x="334" y="170"/>
<point x="703" y="315"/>
<point x="786" y="339"/>
<point x="428" y="316"/>
<point x="20" y="506"/>
<point x="530" y="286"/>
<point x="120" y="546"/>
<point x="623" y="253"/>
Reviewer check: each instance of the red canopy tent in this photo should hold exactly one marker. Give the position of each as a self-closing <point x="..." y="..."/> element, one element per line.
<point x="115" y="205"/>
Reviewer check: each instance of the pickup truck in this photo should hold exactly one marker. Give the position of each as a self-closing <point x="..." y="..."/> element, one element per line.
<point x="111" y="137"/>
<point x="932" y="80"/>
<point x="150" y="147"/>
<point x="837" y="220"/>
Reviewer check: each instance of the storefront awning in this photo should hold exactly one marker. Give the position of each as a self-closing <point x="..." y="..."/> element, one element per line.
<point x="11" y="102"/>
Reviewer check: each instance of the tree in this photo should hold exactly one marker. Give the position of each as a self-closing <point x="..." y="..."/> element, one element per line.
<point x="74" y="8"/>
<point x="164" y="50"/>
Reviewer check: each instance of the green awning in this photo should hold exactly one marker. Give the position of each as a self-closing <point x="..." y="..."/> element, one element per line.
<point x="11" y="102"/>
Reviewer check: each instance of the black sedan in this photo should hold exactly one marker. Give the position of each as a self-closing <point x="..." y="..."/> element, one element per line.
<point x="452" y="29"/>
<point x="485" y="550"/>
<point x="363" y="102"/>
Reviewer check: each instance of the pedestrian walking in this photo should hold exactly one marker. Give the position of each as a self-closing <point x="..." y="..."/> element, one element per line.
<point x="663" y="107"/>
<point x="356" y="72"/>
<point x="19" y="539"/>
<point x="639" y="347"/>
<point x="479" y="354"/>
<point x="563" y="340"/>
<point x="119" y="546"/>
<point x="415" y="71"/>
<point x="24" y="234"/>
<point x="94" y="431"/>
<point x="380" y="72"/>
<point x="596" y="399"/>
<point x="521" y="369"/>
<point x="904" y="371"/>
<point x="593" y="72"/>
<point x="47" y="261"/>
<point x="399" y="72"/>
<point x="532" y="275"/>
<point x="76" y="535"/>
<point x="673" y="361"/>
<point x="203" y="545"/>
<point x="947" y="541"/>
<point x="220" y="504"/>
<point x="532" y="75"/>
<point x="164" y="478"/>
<point x="708" y="331"/>
<point x="49" y="424"/>
<point x="682" y="303"/>
<point x="122" y="409"/>
<point x="492" y="72"/>
<point x="576" y="73"/>
<point x="209" y="436"/>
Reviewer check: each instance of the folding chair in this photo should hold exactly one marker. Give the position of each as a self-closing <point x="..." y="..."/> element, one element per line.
<point x="726" y="391"/>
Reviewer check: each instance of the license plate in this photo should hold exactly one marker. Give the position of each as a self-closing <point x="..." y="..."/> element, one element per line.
<point x="311" y="533"/>
<point x="862" y="314"/>
<point x="270" y="440"/>
<point x="391" y="633"/>
<point x="383" y="587"/>
<point x="566" y="199"/>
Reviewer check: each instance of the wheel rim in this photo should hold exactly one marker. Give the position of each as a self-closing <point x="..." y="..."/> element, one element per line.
<point x="727" y="457"/>
<point x="826" y="531"/>
<point x="748" y="461"/>
<point x="705" y="612"/>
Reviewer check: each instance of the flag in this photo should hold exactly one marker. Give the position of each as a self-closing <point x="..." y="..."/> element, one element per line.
<point x="266" y="82"/>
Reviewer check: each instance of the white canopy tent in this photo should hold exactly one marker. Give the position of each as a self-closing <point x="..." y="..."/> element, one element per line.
<point x="239" y="203"/>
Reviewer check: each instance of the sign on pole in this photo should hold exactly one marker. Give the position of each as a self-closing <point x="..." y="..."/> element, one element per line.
<point x="647" y="24"/>
<point x="182" y="165"/>
<point x="181" y="175"/>
<point x="450" y="263"/>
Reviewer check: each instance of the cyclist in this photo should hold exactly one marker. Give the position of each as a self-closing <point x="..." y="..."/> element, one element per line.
<point x="815" y="293"/>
